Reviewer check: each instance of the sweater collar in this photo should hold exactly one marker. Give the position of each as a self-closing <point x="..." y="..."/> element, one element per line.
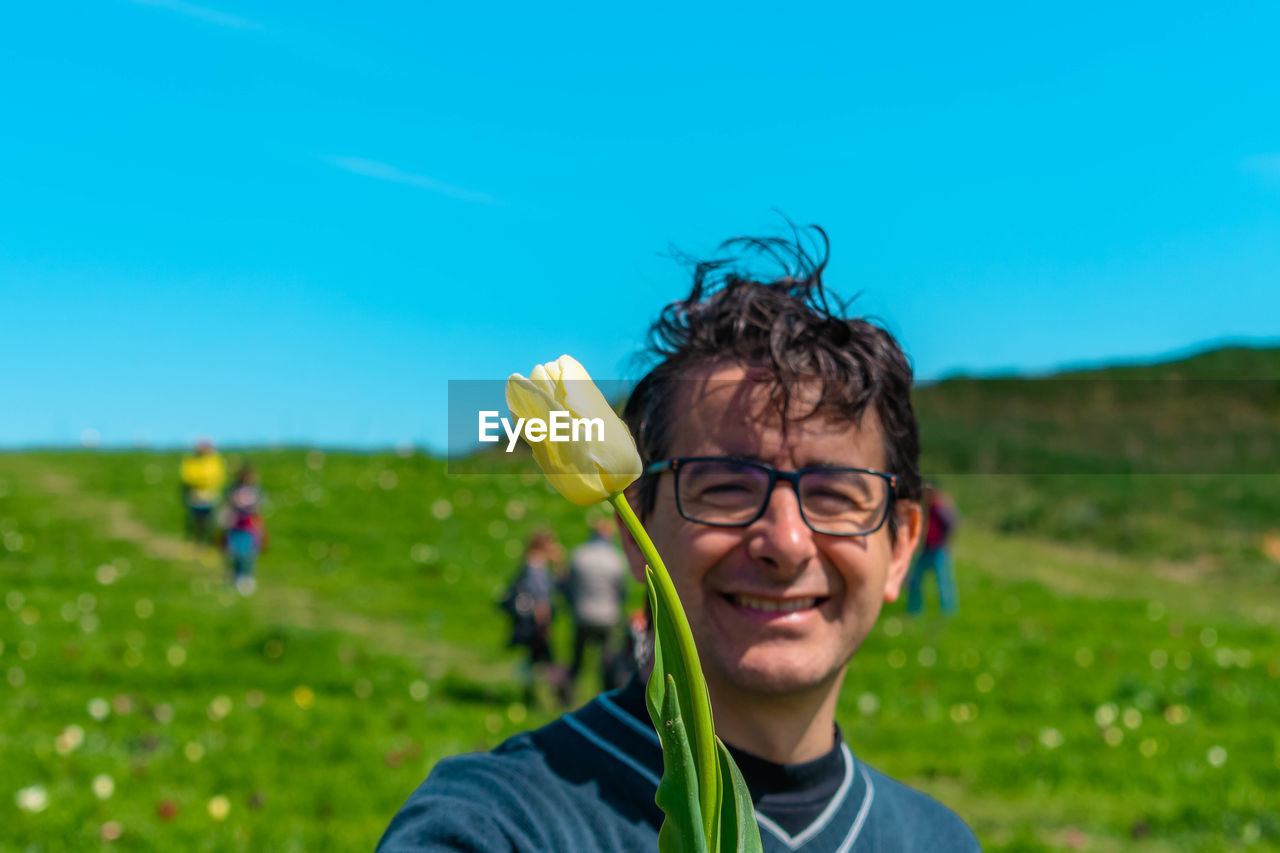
<point x="817" y="778"/>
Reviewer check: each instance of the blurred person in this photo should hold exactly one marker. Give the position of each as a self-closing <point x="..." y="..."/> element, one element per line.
<point x="528" y="603"/>
<point x="595" y="587"/>
<point x="782" y="488"/>
<point x="940" y="519"/>
<point x="202" y="474"/>
<point x="637" y="649"/>
<point x="244" y="531"/>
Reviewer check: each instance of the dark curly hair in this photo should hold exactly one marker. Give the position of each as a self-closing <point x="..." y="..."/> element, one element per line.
<point x="794" y="329"/>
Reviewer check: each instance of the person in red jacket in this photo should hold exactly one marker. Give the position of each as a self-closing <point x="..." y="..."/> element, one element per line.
<point x="246" y="533"/>
<point x="940" y="520"/>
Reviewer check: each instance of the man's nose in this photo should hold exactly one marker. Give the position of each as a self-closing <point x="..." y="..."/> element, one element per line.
<point x="780" y="537"/>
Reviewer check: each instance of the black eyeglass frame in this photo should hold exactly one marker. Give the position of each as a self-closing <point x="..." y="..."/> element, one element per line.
<point x="793" y="477"/>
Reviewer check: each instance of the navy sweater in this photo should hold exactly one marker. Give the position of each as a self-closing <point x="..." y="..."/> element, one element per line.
<point x="586" y="782"/>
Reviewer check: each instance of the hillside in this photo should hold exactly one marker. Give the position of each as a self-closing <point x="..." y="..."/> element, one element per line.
<point x="1177" y="461"/>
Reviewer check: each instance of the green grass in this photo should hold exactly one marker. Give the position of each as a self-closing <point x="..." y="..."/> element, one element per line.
<point x="349" y="633"/>
<point x="374" y="588"/>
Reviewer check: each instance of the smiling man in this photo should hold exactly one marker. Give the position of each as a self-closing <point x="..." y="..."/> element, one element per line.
<point x="782" y="488"/>
<point x="780" y="546"/>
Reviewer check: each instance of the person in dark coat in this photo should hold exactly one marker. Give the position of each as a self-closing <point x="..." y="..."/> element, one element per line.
<point x="528" y="603"/>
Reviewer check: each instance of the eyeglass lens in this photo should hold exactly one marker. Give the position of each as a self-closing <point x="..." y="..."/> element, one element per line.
<point x="832" y="501"/>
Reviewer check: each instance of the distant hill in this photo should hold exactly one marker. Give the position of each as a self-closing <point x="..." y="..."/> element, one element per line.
<point x="1217" y="412"/>
<point x="1236" y="362"/>
<point x="1178" y="460"/>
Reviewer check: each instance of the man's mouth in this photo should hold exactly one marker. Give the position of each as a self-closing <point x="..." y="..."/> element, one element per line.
<point x="773" y="605"/>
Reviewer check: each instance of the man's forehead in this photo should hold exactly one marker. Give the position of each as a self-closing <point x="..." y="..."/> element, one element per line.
<point x="732" y="409"/>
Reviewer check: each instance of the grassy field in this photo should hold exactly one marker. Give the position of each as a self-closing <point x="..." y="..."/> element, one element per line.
<point x="1112" y="697"/>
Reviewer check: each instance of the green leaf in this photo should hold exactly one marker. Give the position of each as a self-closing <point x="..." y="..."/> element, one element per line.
<point x="674" y="654"/>
<point x="682" y="830"/>
<point x="738" y="828"/>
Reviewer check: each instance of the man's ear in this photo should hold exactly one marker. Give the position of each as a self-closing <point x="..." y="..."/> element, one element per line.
<point x="903" y="547"/>
<point x="635" y="560"/>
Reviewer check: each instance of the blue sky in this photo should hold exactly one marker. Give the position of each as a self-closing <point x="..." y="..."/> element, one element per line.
<point x="296" y="221"/>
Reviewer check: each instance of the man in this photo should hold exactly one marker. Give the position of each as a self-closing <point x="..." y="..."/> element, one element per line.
<point x="782" y="488"/>
<point x="595" y="588"/>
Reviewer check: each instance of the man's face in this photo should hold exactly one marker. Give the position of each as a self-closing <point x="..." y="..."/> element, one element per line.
<point x="721" y="572"/>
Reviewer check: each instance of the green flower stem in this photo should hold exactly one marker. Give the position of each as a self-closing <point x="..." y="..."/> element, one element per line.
<point x="704" y="741"/>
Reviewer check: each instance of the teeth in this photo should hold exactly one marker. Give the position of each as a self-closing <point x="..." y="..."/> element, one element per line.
<point x="772" y="605"/>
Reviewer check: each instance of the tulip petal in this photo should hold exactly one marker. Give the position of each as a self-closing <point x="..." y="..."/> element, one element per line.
<point x="527" y="398"/>
<point x="616" y="457"/>
<point x="571" y="470"/>
<point x="540" y="377"/>
<point x="555" y="369"/>
<point x="570" y="466"/>
<point x="584" y="471"/>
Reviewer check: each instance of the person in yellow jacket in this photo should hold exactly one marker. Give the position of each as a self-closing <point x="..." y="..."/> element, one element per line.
<point x="203" y="475"/>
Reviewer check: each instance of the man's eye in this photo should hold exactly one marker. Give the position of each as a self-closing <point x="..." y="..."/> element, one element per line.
<point x="833" y="497"/>
<point x="724" y="488"/>
<point x="833" y="501"/>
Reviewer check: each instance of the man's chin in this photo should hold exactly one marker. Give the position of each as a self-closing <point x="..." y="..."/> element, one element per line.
<point x="775" y="677"/>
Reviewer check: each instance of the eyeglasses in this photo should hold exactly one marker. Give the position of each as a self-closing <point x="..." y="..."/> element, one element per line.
<point x="725" y="492"/>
